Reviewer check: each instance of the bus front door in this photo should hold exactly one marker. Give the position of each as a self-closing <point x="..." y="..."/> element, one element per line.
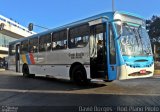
<point x="111" y="54"/>
<point x="98" y="51"/>
<point x="17" y="58"/>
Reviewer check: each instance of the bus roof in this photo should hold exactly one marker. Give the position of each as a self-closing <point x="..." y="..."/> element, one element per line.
<point x="131" y="14"/>
<point x="109" y="15"/>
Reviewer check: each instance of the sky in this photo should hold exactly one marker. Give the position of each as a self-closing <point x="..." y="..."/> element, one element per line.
<point x="54" y="13"/>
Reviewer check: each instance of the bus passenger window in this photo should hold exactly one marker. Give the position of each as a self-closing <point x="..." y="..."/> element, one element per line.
<point x="33" y="45"/>
<point x="112" y="50"/>
<point x="78" y="36"/>
<point x="59" y="40"/>
<point x="12" y="50"/>
<point x="24" y="47"/>
<point x="45" y="43"/>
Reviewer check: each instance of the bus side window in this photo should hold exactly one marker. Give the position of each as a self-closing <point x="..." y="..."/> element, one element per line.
<point x="24" y="47"/>
<point x="33" y="45"/>
<point x="12" y="50"/>
<point x="45" y="43"/>
<point x="59" y="40"/>
<point x="112" y="50"/>
<point x="78" y="36"/>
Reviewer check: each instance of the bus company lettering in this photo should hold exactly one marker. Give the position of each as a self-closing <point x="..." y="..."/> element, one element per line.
<point x="76" y="55"/>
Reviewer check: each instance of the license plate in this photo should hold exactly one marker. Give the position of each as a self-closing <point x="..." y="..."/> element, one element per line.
<point x="142" y="71"/>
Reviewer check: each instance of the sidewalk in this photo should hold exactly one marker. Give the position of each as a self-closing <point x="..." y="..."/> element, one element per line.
<point x="1" y="69"/>
<point x="157" y="69"/>
<point x="156" y="73"/>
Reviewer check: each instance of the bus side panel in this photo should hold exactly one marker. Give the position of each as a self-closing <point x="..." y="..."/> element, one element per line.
<point x="57" y="63"/>
<point x="12" y="63"/>
<point x="63" y="59"/>
<point x="12" y="67"/>
<point x="121" y="72"/>
<point x="55" y="70"/>
<point x="58" y="57"/>
<point x="52" y="70"/>
<point x="68" y="56"/>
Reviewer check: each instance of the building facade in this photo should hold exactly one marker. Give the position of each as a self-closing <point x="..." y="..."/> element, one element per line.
<point x="10" y="31"/>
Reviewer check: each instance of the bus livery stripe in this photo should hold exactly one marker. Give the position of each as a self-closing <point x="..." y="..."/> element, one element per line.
<point x="24" y="60"/>
<point x="28" y="59"/>
<point x="31" y="58"/>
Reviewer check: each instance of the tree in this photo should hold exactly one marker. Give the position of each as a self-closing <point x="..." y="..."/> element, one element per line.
<point x="153" y="27"/>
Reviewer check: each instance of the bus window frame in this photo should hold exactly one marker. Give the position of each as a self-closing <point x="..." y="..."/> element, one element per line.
<point x="81" y="36"/>
<point x="37" y="37"/>
<point x="21" y="46"/>
<point x="46" y="48"/>
<point x="60" y="39"/>
<point x="10" y="50"/>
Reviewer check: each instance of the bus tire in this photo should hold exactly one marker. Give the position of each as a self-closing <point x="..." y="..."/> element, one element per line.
<point x="79" y="75"/>
<point x="25" y="70"/>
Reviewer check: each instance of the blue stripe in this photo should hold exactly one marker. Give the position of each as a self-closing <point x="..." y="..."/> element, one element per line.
<point x="28" y="59"/>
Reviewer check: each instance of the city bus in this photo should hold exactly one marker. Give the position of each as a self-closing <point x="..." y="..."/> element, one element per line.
<point x="108" y="46"/>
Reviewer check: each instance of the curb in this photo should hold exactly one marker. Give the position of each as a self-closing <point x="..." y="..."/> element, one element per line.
<point x="1" y="70"/>
<point x="157" y="72"/>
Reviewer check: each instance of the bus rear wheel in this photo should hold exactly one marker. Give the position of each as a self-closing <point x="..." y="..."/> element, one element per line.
<point x="79" y="75"/>
<point x="25" y="70"/>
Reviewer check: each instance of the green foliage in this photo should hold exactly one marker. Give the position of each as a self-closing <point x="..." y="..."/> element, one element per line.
<point x="153" y="26"/>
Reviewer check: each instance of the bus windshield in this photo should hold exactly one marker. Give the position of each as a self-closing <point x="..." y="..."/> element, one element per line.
<point x="134" y="40"/>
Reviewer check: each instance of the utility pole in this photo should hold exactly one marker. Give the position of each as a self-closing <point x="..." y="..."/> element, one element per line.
<point x="113" y="5"/>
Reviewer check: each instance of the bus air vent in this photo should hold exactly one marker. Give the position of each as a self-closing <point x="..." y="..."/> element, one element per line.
<point x="143" y="60"/>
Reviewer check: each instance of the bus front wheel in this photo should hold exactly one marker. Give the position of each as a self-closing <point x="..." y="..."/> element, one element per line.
<point x="79" y="75"/>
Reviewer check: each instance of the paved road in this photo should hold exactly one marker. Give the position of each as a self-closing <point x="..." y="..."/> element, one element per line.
<point x="45" y="94"/>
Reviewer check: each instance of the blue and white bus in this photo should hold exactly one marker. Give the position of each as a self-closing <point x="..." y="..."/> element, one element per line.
<point x="107" y="46"/>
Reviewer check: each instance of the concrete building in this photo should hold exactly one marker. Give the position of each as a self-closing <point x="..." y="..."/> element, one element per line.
<point x="10" y="31"/>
